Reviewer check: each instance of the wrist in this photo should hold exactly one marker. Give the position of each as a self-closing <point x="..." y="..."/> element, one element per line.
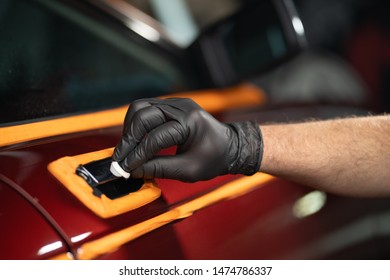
<point x="249" y="148"/>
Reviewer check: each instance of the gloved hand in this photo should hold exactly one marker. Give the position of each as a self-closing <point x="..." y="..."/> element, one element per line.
<point x="206" y="147"/>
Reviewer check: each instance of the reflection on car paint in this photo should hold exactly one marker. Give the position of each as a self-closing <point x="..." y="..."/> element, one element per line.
<point x="49" y="248"/>
<point x="80" y="237"/>
<point x="309" y="204"/>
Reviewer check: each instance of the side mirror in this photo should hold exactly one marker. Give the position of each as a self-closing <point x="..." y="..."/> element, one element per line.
<point x="258" y="37"/>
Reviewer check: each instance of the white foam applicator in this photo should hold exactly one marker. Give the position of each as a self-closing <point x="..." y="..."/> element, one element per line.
<point x="117" y="170"/>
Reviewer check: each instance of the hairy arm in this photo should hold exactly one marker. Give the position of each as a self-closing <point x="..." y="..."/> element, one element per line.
<point x="346" y="156"/>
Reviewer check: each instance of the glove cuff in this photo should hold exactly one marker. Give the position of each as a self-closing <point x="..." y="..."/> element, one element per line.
<point x="250" y="148"/>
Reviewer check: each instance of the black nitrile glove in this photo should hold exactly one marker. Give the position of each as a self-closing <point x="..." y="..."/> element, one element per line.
<point x="206" y="147"/>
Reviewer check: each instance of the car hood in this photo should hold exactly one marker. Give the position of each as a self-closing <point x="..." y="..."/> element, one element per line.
<point x="32" y="147"/>
<point x="26" y="169"/>
<point x="28" y="233"/>
<point x="264" y="217"/>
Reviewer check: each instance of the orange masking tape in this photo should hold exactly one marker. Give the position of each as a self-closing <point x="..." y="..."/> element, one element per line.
<point x="27" y="132"/>
<point x="64" y="171"/>
<point x="113" y="241"/>
<point x="213" y="101"/>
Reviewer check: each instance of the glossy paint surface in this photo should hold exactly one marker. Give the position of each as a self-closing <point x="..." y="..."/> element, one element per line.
<point x="264" y="223"/>
<point x="24" y="233"/>
<point x="27" y="167"/>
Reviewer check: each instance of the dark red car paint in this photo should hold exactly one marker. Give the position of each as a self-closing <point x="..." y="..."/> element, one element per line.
<point x="259" y="224"/>
<point x="24" y="232"/>
<point x="27" y="168"/>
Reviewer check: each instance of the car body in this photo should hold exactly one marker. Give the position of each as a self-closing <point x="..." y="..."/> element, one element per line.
<point x="229" y="217"/>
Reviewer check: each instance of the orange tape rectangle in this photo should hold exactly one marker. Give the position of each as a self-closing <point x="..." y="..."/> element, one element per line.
<point x="64" y="170"/>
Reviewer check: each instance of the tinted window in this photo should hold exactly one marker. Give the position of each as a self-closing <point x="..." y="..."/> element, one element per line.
<point x="55" y="60"/>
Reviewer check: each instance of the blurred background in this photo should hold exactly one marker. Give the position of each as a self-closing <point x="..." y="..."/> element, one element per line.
<point x="61" y="57"/>
<point x="348" y="47"/>
<point x="358" y="32"/>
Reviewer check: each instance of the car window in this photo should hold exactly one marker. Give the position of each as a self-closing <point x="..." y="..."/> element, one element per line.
<point x="56" y="61"/>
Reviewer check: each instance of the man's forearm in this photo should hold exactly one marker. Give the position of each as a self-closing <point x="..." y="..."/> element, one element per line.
<point x="346" y="156"/>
